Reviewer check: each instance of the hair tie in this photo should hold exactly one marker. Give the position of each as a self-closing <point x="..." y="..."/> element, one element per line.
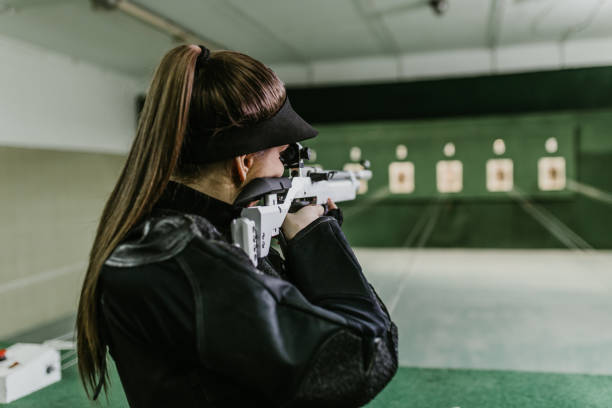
<point x="203" y="55"/>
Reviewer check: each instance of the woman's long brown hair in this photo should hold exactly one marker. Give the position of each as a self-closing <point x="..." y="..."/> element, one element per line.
<point x="227" y="89"/>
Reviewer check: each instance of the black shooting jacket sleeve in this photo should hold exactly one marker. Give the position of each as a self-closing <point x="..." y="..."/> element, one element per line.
<point x="319" y="338"/>
<point x="325" y="340"/>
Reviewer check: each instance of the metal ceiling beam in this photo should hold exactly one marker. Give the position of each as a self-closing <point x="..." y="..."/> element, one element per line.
<point x="162" y="23"/>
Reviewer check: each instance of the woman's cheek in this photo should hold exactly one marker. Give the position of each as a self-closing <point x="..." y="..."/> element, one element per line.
<point x="281" y="169"/>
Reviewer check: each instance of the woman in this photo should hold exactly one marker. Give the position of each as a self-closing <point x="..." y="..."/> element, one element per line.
<point x="187" y="318"/>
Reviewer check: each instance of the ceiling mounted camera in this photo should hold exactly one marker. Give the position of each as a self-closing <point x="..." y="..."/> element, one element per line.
<point x="439" y="6"/>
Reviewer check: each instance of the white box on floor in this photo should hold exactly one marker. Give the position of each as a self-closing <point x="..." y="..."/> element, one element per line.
<point x="28" y="368"/>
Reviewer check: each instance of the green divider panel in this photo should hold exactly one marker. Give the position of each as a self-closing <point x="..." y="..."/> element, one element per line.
<point x="524" y="138"/>
<point x="476" y="217"/>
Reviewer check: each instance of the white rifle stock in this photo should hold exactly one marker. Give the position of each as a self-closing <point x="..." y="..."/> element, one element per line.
<point x="254" y="229"/>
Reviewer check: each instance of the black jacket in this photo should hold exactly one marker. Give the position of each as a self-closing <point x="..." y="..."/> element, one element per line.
<point x="191" y="323"/>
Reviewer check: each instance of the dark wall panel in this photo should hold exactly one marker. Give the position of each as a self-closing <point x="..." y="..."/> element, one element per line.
<point x="576" y="102"/>
<point x="575" y="89"/>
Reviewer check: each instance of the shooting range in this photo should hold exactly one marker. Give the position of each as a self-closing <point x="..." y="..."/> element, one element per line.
<point x="486" y="227"/>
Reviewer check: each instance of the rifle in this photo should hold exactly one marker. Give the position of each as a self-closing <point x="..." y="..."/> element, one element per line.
<point x="254" y="229"/>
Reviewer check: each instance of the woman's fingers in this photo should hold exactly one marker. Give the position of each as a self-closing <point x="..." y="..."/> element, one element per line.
<point x="331" y="205"/>
<point x="320" y="210"/>
<point x="295" y="222"/>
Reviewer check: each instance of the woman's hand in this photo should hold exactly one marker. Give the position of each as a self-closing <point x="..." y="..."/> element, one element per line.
<point x="297" y="221"/>
<point x="334" y="211"/>
<point x="331" y="205"/>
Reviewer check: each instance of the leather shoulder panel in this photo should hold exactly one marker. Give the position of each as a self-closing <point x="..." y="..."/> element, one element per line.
<point x="161" y="236"/>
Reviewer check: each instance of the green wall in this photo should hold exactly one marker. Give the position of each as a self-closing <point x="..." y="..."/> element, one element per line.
<point x="575" y="106"/>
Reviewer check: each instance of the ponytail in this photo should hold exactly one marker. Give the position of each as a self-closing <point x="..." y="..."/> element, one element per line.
<point x="147" y="170"/>
<point x="228" y="89"/>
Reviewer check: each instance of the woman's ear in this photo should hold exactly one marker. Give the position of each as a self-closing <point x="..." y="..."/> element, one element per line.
<point x="243" y="164"/>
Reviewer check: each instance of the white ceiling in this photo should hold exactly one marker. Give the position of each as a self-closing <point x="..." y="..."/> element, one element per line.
<point x="299" y="33"/>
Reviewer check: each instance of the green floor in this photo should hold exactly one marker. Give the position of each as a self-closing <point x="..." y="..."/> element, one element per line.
<point x="411" y="388"/>
<point x="521" y="329"/>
